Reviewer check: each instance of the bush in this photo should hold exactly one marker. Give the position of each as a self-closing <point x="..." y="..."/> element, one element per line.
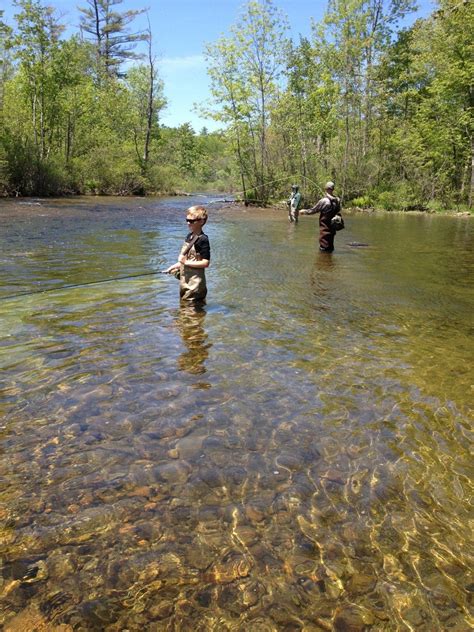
<point x="435" y="206"/>
<point x="36" y="177"/>
<point x="165" y="178"/>
<point x="109" y="171"/>
<point x="363" y="201"/>
<point x="399" y="198"/>
<point x="389" y="201"/>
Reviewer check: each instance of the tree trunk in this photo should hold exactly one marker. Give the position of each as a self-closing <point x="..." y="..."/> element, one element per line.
<point x="150" y="108"/>
<point x="471" y="190"/>
<point x="68" y="139"/>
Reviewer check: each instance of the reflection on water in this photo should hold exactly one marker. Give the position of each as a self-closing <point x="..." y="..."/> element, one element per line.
<point x="322" y="278"/>
<point x="190" y="323"/>
<point x="293" y="456"/>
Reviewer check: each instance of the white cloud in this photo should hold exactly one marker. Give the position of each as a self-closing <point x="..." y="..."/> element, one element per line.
<point x="189" y="62"/>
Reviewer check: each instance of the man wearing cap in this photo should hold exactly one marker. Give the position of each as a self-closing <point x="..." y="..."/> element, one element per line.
<point x="294" y="204"/>
<point x="327" y="207"/>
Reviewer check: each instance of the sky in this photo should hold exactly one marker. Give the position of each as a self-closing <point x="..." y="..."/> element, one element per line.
<point x="181" y="29"/>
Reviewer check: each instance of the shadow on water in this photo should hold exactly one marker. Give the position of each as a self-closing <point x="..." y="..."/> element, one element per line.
<point x="292" y="456"/>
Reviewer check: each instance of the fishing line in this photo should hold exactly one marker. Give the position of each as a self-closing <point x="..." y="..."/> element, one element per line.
<point x="261" y="186"/>
<point x="143" y="274"/>
<point x="74" y="285"/>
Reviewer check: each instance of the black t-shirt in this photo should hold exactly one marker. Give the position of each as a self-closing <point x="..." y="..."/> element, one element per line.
<point x="201" y="245"/>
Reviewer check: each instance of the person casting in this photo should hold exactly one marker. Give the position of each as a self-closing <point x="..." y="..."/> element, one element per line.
<point x="294" y="204"/>
<point x="327" y="207"/>
<point x="194" y="257"/>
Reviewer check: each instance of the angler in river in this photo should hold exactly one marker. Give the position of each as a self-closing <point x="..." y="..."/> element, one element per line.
<point x="294" y="204"/>
<point x="194" y="258"/>
<point x="329" y="209"/>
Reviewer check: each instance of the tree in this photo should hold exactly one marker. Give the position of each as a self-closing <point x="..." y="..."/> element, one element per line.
<point x="187" y="149"/>
<point x="427" y="74"/>
<point x="5" y="65"/>
<point x="351" y="39"/>
<point x="260" y="36"/>
<point x="108" y="30"/>
<point x="146" y="91"/>
<point x="305" y="117"/>
<point x="233" y="97"/>
<point x="37" y="44"/>
<point x="453" y="88"/>
<point x="245" y="71"/>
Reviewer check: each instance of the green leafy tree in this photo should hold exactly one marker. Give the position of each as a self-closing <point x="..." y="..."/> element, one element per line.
<point x="233" y="97"/>
<point x="5" y="61"/>
<point x="32" y="98"/>
<point x="427" y="75"/>
<point x="245" y="71"/>
<point x="350" y="41"/>
<point x="187" y="148"/>
<point x="5" y="69"/>
<point x="261" y="37"/>
<point x="445" y="118"/>
<point x="305" y="117"/>
<point x="37" y="45"/>
<point x="146" y="91"/>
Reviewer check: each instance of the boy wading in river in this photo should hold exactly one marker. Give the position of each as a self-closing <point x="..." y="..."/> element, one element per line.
<point x="194" y="258"/>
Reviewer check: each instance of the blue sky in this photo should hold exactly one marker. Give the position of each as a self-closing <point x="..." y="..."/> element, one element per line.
<point x="182" y="28"/>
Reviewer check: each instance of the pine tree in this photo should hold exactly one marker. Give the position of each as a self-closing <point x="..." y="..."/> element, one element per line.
<point x="108" y="30"/>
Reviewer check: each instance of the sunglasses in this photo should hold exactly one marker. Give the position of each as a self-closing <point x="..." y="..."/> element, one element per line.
<point x="191" y="221"/>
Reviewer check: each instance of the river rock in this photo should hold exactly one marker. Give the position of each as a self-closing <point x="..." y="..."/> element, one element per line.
<point x="231" y="568"/>
<point x="246" y="534"/>
<point x="31" y="619"/>
<point x="360" y="583"/>
<point x="189" y="447"/>
<point x="61" y="564"/>
<point x="349" y="619"/>
<point x="254" y="512"/>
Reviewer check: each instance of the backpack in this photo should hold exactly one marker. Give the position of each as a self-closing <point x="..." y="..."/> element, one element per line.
<point x="337" y="222"/>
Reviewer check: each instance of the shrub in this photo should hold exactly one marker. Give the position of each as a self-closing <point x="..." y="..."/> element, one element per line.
<point x="165" y="178"/>
<point x="389" y="201"/>
<point x="363" y="201"/>
<point x="400" y="197"/>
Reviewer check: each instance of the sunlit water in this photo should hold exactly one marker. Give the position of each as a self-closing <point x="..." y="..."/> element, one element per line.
<point x="293" y="456"/>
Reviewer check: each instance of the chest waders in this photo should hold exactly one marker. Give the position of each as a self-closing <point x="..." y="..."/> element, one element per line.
<point x="326" y="229"/>
<point x="192" y="282"/>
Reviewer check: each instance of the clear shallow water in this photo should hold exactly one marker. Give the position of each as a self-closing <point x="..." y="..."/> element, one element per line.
<point x="295" y="456"/>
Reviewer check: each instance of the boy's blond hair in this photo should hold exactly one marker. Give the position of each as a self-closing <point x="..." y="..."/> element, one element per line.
<point x="197" y="212"/>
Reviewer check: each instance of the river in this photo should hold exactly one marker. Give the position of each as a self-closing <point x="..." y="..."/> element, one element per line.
<point x="294" y="456"/>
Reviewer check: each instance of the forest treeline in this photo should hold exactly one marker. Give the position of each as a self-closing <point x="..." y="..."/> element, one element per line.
<point x="382" y="108"/>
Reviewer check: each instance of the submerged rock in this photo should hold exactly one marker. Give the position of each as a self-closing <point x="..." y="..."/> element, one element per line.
<point x="351" y="619"/>
<point x="227" y="570"/>
<point x="32" y="619"/>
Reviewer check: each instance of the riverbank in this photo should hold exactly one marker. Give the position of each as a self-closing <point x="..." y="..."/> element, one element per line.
<point x="281" y="206"/>
<point x="411" y="211"/>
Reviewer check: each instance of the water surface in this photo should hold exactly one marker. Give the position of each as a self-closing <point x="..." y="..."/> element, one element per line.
<point x="292" y="456"/>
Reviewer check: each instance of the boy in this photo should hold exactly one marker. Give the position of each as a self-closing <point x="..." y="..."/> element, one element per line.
<point x="194" y="257"/>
